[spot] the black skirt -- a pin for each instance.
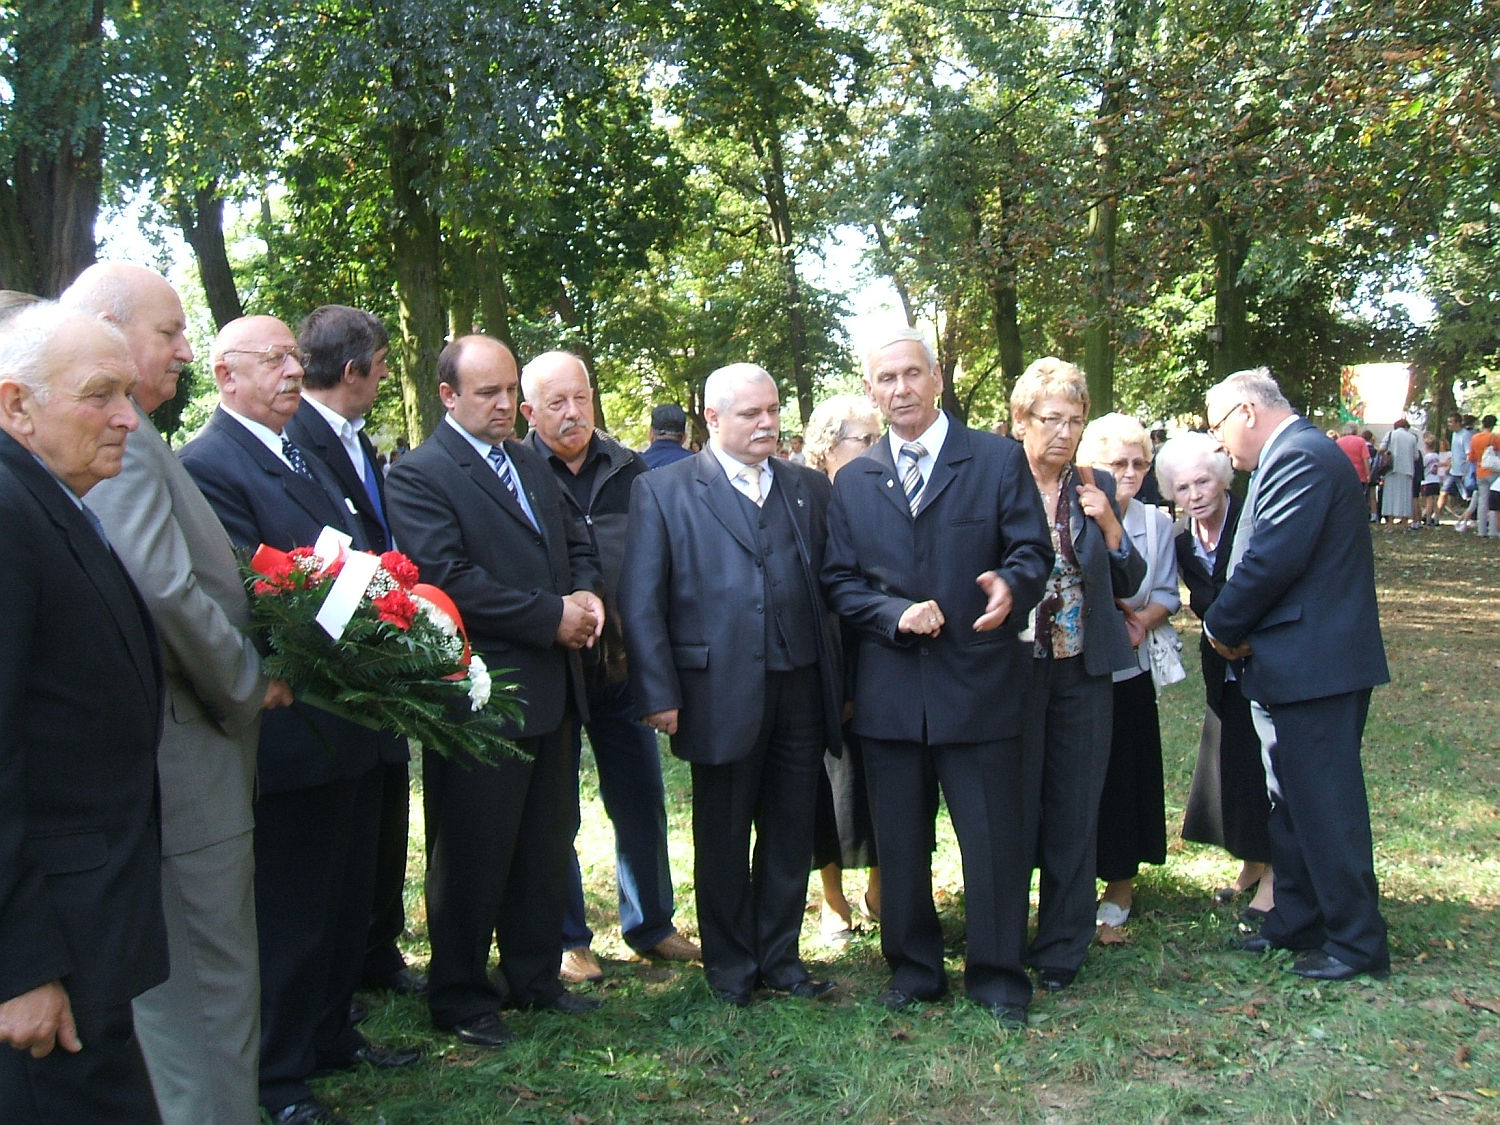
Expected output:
(843, 830)
(1133, 808)
(1228, 805)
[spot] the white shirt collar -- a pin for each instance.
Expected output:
(480, 447)
(931, 439)
(262, 433)
(347, 430)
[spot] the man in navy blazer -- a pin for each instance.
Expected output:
(485, 520)
(937, 552)
(81, 926)
(318, 785)
(1298, 615)
(346, 351)
(732, 654)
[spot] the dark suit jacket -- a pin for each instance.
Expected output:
(80, 714)
(1204, 587)
(312, 434)
(693, 600)
(259, 500)
(1303, 593)
(1106, 641)
(470, 537)
(980, 511)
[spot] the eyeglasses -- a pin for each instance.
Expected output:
(1214, 429)
(1055, 422)
(272, 357)
(1124, 463)
(865, 440)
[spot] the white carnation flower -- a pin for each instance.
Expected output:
(479, 683)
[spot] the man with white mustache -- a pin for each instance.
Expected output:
(596, 472)
(732, 656)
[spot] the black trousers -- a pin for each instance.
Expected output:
(498, 841)
(103, 1084)
(982, 784)
(383, 959)
(314, 872)
(1321, 847)
(750, 907)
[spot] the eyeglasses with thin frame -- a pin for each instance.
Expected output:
(1214, 429)
(865, 440)
(1054, 422)
(272, 356)
(1136, 463)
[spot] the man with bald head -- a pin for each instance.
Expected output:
(596, 472)
(487, 523)
(318, 801)
(81, 928)
(200, 1030)
(732, 655)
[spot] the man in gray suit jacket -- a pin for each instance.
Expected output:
(1299, 619)
(731, 654)
(198, 1030)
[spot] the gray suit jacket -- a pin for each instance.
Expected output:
(177, 552)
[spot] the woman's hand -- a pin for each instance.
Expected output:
(1097, 507)
(1133, 624)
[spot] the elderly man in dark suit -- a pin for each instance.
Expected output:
(1298, 616)
(346, 353)
(937, 551)
(200, 1030)
(731, 653)
(315, 819)
(485, 520)
(81, 927)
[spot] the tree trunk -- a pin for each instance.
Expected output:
(202, 221)
(418, 246)
(903, 293)
(1231, 246)
(778, 206)
(49, 196)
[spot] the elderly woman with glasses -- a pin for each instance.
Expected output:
(840, 429)
(1227, 805)
(1133, 809)
(1080, 639)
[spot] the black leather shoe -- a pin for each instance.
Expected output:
(1252, 943)
(1253, 915)
(1319, 965)
(732, 998)
(403, 982)
(488, 1030)
(899, 1000)
(357, 1011)
(568, 1003)
(1055, 980)
(808, 989)
(1008, 1015)
(381, 1058)
(310, 1112)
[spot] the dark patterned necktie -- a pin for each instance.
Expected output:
(911, 476)
(507, 478)
(293, 456)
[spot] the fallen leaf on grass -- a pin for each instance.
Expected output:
(1164, 1052)
(1492, 1006)
(900, 1036)
(1109, 935)
(1461, 1056)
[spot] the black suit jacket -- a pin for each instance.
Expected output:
(81, 694)
(980, 511)
(692, 598)
(1303, 594)
(470, 538)
(259, 500)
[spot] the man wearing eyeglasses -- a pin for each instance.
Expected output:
(937, 551)
(1298, 616)
(318, 783)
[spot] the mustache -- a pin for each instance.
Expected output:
(570, 425)
(765, 433)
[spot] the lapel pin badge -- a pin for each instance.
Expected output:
(890, 484)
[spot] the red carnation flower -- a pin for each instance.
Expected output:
(396, 608)
(399, 567)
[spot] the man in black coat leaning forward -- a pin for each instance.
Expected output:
(81, 926)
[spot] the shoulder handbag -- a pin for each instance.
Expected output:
(1162, 643)
(1490, 459)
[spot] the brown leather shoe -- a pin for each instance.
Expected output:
(675, 947)
(579, 965)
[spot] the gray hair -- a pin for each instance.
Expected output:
(826, 427)
(531, 374)
(26, 343)
(1107, 428)
(882, 338)
(1048, 377)
(1254, 385)
(1187, 451)
(722, 383)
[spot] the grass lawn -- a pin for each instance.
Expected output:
(1168, 1026)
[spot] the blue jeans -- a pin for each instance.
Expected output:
(629, 767)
